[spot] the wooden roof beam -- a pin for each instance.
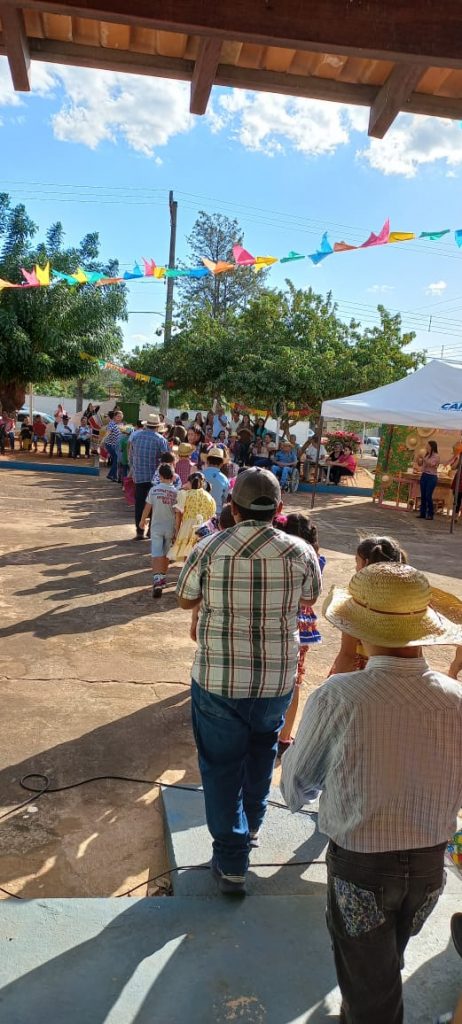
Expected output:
(204, 73)
(412, 31)
(392, 97)
(311, 87)
(17, 47)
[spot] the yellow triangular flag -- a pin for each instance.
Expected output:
(43, 276)
(80, 276)
(265, 261)
(401, 236)
(158, 272)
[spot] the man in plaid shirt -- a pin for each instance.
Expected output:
(248, 582)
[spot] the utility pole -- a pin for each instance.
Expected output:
(173, 207)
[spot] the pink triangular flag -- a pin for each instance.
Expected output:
(149, 267)
(30, 278)
(242, 257)
(380, 239)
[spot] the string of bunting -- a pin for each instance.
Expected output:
(105, 364)
(44, 276)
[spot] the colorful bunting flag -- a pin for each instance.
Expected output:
(242, 257)
(343, 247)
(401, 236)
(43, 275)
(217, 268)
(325, 249)
(30, 278)
(149, 267)
(291, 256)
(433, 236)
(380, 239)
(458, 238)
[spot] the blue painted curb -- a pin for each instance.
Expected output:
(39, 467)
(362, 492)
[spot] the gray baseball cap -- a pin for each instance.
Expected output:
(257, 490)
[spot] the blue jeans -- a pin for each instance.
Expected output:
(237, 741)
(428, 482)
(112, 452)
(285, 473)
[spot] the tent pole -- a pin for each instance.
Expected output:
(316, 468)
(456, 492)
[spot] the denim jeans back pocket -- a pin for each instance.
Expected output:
(358, 908)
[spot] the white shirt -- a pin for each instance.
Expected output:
(385, 747)
(67, 429)
(312, 453)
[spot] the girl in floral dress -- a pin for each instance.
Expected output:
(194, 507)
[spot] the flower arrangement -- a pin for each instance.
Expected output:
(344, 437)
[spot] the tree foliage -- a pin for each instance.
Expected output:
(213, 236)
(286, 346)
(43, 330)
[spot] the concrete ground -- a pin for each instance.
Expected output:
(94, 675)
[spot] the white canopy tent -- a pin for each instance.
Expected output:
(430, 397)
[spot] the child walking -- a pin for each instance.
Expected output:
(194, 505)
(160, 505)
(298, 525)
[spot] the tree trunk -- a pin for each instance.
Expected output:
(12, 395)
(79, 396)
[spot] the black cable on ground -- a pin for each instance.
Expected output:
(46, 789)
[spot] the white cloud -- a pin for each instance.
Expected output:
(99, 106)
(414, 141)
(380, 289)
(271, 124)
(105, 105)
(437, 288)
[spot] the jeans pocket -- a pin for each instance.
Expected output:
(429, 903)
(358, 908)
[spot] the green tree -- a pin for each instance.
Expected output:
(213, 236)
(285, 346)
(43, 330)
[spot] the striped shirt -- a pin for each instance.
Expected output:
(146, 447)
(251, 579)
(113, 435)
(385, 747)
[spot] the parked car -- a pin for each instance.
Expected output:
(25, 412)
(371, 446)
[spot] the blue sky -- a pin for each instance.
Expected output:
(100, 151)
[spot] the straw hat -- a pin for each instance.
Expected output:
(448, 605)
(389, 605)
(185, 450)
(155, 421)
(216, 453)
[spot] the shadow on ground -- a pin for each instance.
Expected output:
(109, 822)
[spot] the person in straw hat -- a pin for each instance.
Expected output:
(384, 747)
(184, 466)
(219, 483)
(146, 447)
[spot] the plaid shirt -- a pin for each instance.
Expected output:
(251, 579)
(146, 447)
(385, 747)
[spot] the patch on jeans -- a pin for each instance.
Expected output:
(426, 908)
(358, 907)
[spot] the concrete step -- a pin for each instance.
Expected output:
(261, 960)
(286, 839)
